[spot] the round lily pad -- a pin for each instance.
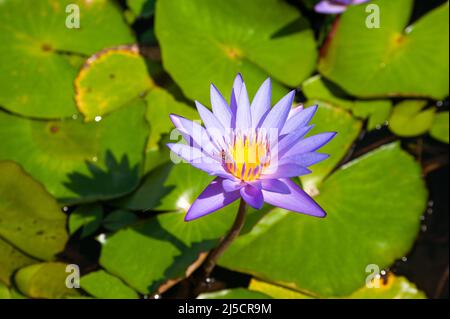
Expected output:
(111, 79)
(37, 79)
(30, 219)
(439, 129)
(374, 205)
(44, 280)
(211, 41)
(395, 59)
(408, 118)
(76, 161)
(100, 284)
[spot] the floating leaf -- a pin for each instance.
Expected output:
(119, 219)
(44, 280)
(100, 284)
(76, 161)
(439, 129)
(178, 245)
(11, 259)
(235, 293)
(160, 105)
(393, 288)
(374, 205)
(30, 219)
(408, 118)
(331, 118)
(4, 292)
(88, 217)
(275, 291)
(38, 78)
(319, 90)
(392, 60)
(258, 39)
(111, 79)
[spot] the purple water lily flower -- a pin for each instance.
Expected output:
(335, 6)
(253, 150)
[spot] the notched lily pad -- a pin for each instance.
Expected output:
(409, 119)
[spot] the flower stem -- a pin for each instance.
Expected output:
(234, 231)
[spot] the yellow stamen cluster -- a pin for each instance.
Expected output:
(246, 156)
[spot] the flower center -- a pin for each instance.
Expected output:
(246, 156)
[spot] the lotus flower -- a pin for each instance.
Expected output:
(252, 149)
(335, 6)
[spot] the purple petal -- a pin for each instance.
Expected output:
(252, 196)
(213, 126)
(291, 139)
(210, 200)
(232, 185)
(299, 119)
(220, 107)
(261, 103)
(355, 2)
(243, 115)
(274, 185)
(294, 111)
(235, 93)
(192, 130)
(296, 200)
(327, 7)
(275, 171)
(279, 113)
(310, 144)
(188, 153)
(304, 159)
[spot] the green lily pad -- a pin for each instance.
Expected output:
(160, 104)
(408, 118)
(38, 78)
(376, 111)
(329, 118)
(76, 161)
(4, 292)
(392, 60)
(178, 244)
(100, 284)
(88, 217)
(30, 219)
(11, 259)
(439, 129)
(236, 293)
(118, 219)
(204, 41)
(109, 80)
(44, 280)
(393, 288)
(275, 291)
(374, 205)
